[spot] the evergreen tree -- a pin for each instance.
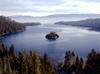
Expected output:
(92, 65)
(77, 65)
(68, 57)
(45, 60)
(20, 56)
(3, 46)
(31, 53)
(77, 61)
(81, 65)
(12, 50)
(50, 67)
(73, 54)
(36, 63)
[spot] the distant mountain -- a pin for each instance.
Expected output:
(20, 16)
(75, 15)
(94, 24)
(60, 15)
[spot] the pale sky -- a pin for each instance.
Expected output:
(48, 7)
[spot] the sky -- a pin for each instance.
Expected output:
(48, 7)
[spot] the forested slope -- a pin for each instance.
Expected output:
(24, 63)
(94, 24)
(8, 26)
(34, 64)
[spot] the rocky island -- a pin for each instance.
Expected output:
(52, 35)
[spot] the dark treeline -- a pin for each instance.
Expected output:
(93, 23)
(75, 65)
(34, 64)
(31, 23)
(8, 26)
(24, 63)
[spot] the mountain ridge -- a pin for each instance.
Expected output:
(58, 15)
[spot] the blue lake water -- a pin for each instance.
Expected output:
(77, 39)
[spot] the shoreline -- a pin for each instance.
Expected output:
(90, 27)
(2, 36)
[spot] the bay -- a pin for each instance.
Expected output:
(77, 39)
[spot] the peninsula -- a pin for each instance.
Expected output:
(8, 26)
(93, 24)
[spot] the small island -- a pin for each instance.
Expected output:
(52, 35)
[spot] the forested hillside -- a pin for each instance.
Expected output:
(24, 63)
(8, 26)
(34, 64)
(94, 24)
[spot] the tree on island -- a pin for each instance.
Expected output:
(52, 35)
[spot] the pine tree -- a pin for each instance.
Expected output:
(3, 46)
(92, 65)
(12, 50)
(73, 54)
(36, 63)
(50, 67)
(45, 60)
(31, 53)
(68, 57)
(77, 64)
(77, 61)
(20, 56)
(81, 65)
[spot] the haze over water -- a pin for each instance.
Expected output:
(77, 39)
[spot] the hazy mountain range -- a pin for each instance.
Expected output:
(59, 15)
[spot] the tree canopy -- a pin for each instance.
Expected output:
(8, 26)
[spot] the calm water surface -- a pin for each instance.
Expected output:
(76, 39)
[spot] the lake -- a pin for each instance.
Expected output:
(77, 39)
